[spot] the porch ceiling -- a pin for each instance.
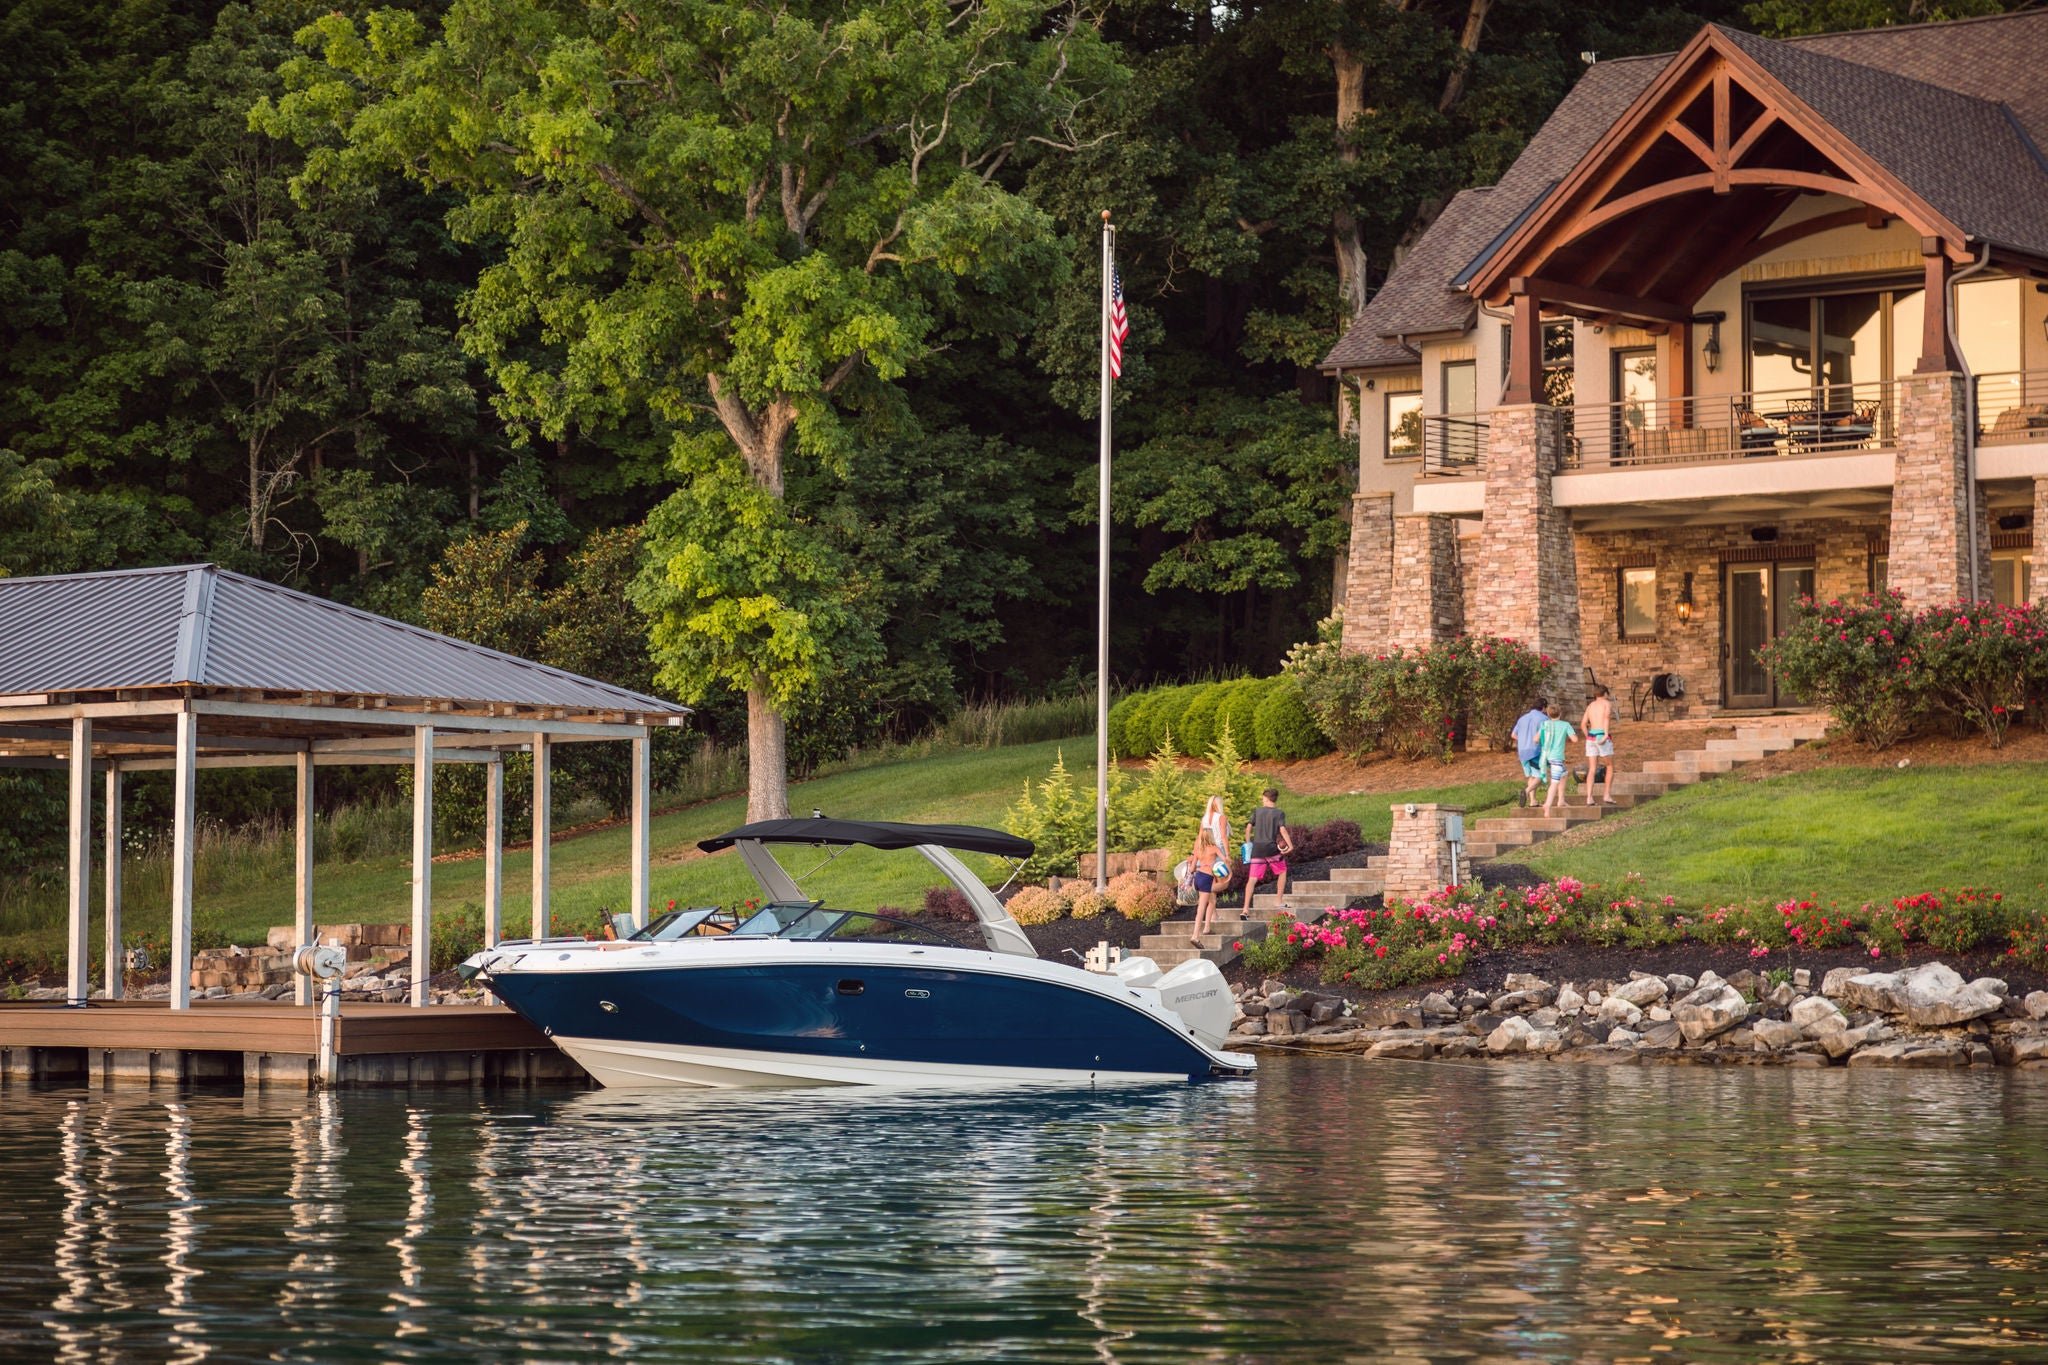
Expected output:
(1750, 509)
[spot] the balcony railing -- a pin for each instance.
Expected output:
(1453, 445)
(2012, 407)
(1829, 419)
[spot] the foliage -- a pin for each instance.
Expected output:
(1856, 657)
(1082, 900)
(1331, 839)
(1273, 955)
(1160, 811)
(1983, 662)
(1036, 905)
(1138, 896)
(949, 904)
(1156, 716)
(1059, 821)
(1119, 727)
(1284, 728)
(1506, 677)
(1417, 702)
(1198, 721)
(1238, 713)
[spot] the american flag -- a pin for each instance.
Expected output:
(1119, 323)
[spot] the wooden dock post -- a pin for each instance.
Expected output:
(422, 863)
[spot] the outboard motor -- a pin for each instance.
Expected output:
(1137, 971)
(1197, 992)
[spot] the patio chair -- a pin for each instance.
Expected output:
(1757, 435)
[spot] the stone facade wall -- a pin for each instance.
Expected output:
(1693, 648)
(1369, 575)
(1418, 859)
(1528, 579)
(1931, 504)
(1428, 597)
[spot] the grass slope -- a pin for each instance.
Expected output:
(973, 786)
(1847, 835)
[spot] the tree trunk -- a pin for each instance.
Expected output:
(1344, 233)
(257, 520)
(767, 756)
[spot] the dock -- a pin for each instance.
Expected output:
(267, 1044)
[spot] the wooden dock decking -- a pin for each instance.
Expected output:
(265, 1043)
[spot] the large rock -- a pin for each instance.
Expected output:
(1391, 1016)
(1777, 1033)
(1641, 992)
(1327, 1011)
(1842, 1042)
(1544, 1041)
(1934, 1052)
(1547, 1017)
(1414, 1048)
(1708, 1010)
(1661, 1035)
(2012, 1049)
(1835, 983)
(1658, 1014)
(1929, 995)
(1622, 1037)
(1437, 1005)
(1525, 981)
(1512, 1035)
(2037, 1004)
(1517, 1002)
(1286, 1023)
(1253, 1009)
(1779, 996)
(1814, 1010)
(1992, 984)
(1680, 983)
(1615, 1010)
(1569, 1001)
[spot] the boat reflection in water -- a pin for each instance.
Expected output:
(803, 994)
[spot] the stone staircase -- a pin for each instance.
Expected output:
(1658, 777)
(1169, 947)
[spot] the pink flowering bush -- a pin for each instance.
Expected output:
(1419, 702)
(1982, 661)
(1857, 657)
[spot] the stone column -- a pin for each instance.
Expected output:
(1418, 854)
(1931, 498)
(1528, 578)
(1427, 599)
(1370, 573)
(2040, 589)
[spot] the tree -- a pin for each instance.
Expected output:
(739, 212)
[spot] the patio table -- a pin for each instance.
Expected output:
(1834, 426)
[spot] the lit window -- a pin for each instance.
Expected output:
(1638, 597)
(1404, 425)
(2012, 577)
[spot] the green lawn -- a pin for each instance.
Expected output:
(972, 786)
(1847, 835)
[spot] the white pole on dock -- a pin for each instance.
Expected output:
(1102, 586)
(302, 867)
(117, 964)
(643, 809)
(78, 952)
(185, 796)
(542, 830)
(494, 851)
(422, 862)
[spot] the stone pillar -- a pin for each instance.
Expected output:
(2040, 588)
(1370, 574)
(1931, 497)
(1418, 854)
(1528, 588)
(1427, 600)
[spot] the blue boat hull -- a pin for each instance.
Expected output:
(853, 1017)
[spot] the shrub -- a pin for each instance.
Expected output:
(1138, 897)
(1348, 694)
(1163, 809)
(1199, 721)
(1416, 702)
(1283, 727)
(1331, 839)
(1241, 710)
(1228, 779)
(1082, 900)
(1147, 725)
(1857, 657)
(1506, 676)
(1274, 954)
(1120, 722)
(1036, 905)
(1981, 660)
(950, 904)
(1059, 821)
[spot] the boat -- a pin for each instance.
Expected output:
(798, 993)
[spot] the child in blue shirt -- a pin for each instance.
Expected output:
(1550, 742)
(1526, 730)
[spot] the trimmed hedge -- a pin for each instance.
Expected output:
(1283, 727)
(1198, 723)
(1267, 718)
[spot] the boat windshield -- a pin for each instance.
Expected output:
(812, 920)
(698, 919)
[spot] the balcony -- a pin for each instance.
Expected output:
(1836, 419)
(2012, 408)
(1454, 445)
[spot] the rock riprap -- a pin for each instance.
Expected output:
(1924, 1016)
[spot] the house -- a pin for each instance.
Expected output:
(1745, 322)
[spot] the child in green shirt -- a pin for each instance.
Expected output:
(1550, 742)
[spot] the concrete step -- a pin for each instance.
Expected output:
(1335, 893)
(1169, 958)
(1751, 736)
(1358, 874)
(1742, 751)
(1694, 762)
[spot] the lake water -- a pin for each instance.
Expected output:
(1330, 1210)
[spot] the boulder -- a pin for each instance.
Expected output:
(1595, 996)
(1285, 1023)
(1641, 991)
(1801, 977)
(1708, 1010)
(1253, 1009)
(1709, 977)
(1814, 1010)
(1413, 1048)
(1437, 1005)
(1929, 995)
(1251, 1028)
(1834, 985)
(1460, 1047)
(1279, 1000)
(1544, 1042)
(1480, 1025)
(1518, 1002)
(1935, 1052)
(1391, 1016)
(1778, 997)
(1512, 1035)
(1615, 1010)
(1992, 984)
(1680, 983)
(1776, 1033)
(1660, 1035)
(1658, 1014)
(1569, 1001)
(1843, 1041)
(1547, 1017)
(2012, 1049)
(1325, 1011)
(1525, 981)
(1747, 983)
(1269, 987)
(1980, 1053)
(1586, 1033)
(2037, 1004)
(1622, 1037)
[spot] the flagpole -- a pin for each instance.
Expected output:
(1102, 589)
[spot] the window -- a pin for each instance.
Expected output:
(1557, 385)
(2012, 576)
(1404, 425)
(1880, 571)
(1637, 597)
(1461, 387)
(1832, 341)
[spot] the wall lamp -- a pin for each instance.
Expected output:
(1685, 599)
(1712, 350)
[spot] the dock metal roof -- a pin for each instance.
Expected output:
(198, 626)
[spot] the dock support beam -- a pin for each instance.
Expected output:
(117, 965)
(184, 798)
(494, 852)
(78, 949)
(543, 772)
(422, 863)
(643, 812)
(302, 880)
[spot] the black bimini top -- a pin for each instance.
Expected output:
(875, 834)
